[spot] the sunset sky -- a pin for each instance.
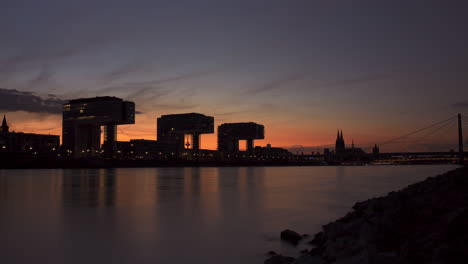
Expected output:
(302, 68)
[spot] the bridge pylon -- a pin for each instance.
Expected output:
(460, 140)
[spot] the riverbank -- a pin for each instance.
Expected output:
(38, 163)
(12, 162)
(426, 222)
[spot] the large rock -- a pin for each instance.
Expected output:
(426, 222)
(291, 236)
(279, 259)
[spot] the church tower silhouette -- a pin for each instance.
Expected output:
(4, 128)
(340, 143)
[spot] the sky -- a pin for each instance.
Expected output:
(302, 68)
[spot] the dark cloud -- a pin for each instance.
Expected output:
(122, 71)
(232, 113)
(43, 78)
(26, 61)
(180, 77)
(145, 86)
(279, 83)
(359, 80)
(140, 94)
(282, 83)
(128, 89)
(174, 107)
(14, 100)
(260, 108)
(144, 92)
(147, 92)
(461, 105)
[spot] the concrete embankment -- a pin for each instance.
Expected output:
(426, 222)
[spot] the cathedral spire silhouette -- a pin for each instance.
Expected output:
(4, 127)
(340, 144)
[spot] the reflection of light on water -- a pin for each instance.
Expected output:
(191, 178)
(136, 205)
(3, 186)
(209, 194)
(178, 215)
(31, 216)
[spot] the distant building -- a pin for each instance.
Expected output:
(173, 130)
(34, 144)
(229, 135)
(145, 149)
(347, 154)
(376, 151)
(270, 152)
(340, 146)
(82, 121)
(5, 128)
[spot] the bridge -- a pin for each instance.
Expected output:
(436, 129)
(430, 133)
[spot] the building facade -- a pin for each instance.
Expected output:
(82, 122)
(184, 130)
(342, 153)
(28, 143)
(229, 135)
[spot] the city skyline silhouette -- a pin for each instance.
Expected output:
(305, 67)
(233, 131)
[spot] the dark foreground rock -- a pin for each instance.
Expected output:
(426, 222)
(279, 259)
(291, 236)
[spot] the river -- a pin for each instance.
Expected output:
(179, 215)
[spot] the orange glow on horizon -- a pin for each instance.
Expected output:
(317, 134)
(51, 124)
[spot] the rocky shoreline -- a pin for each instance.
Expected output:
(426, 222)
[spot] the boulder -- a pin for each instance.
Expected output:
(318, 239)
(425, 222)
(279, 259)
(291, 236)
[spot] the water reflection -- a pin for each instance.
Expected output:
(3, 187)
(177, 215)
(89, 188)
(340, 192)
(186, 187)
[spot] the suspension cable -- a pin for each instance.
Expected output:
(435, 131)
(416, 131)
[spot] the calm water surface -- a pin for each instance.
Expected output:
(178, 215)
